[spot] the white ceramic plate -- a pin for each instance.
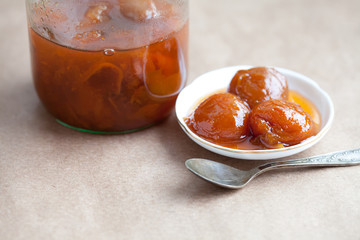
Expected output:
(213, 81)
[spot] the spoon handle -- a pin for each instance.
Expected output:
(336, 159)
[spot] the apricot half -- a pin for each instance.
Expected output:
(277, 122)
(259, 84)
(221, 118)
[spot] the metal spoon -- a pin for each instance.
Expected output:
(229, 177)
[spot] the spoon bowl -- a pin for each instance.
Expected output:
(218, 173)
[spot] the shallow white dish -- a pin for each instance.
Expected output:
(213, 81)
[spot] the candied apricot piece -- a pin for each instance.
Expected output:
(106, 78)
(88, 37)
(277, 122)
(138, 10)
(98, 13)
(259, 84)
(221, 118)
(165, 69)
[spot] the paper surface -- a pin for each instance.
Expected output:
(56, 183)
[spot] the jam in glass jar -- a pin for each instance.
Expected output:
(108, 66)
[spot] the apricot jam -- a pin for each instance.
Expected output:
(276, 122)
(222, 117)
(250, 142)
(258, 111)
(259, 84)
(108, 66)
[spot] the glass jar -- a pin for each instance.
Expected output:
(108, 66)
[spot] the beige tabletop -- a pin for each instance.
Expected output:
(57, 183)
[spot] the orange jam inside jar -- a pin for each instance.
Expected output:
(109, 66)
